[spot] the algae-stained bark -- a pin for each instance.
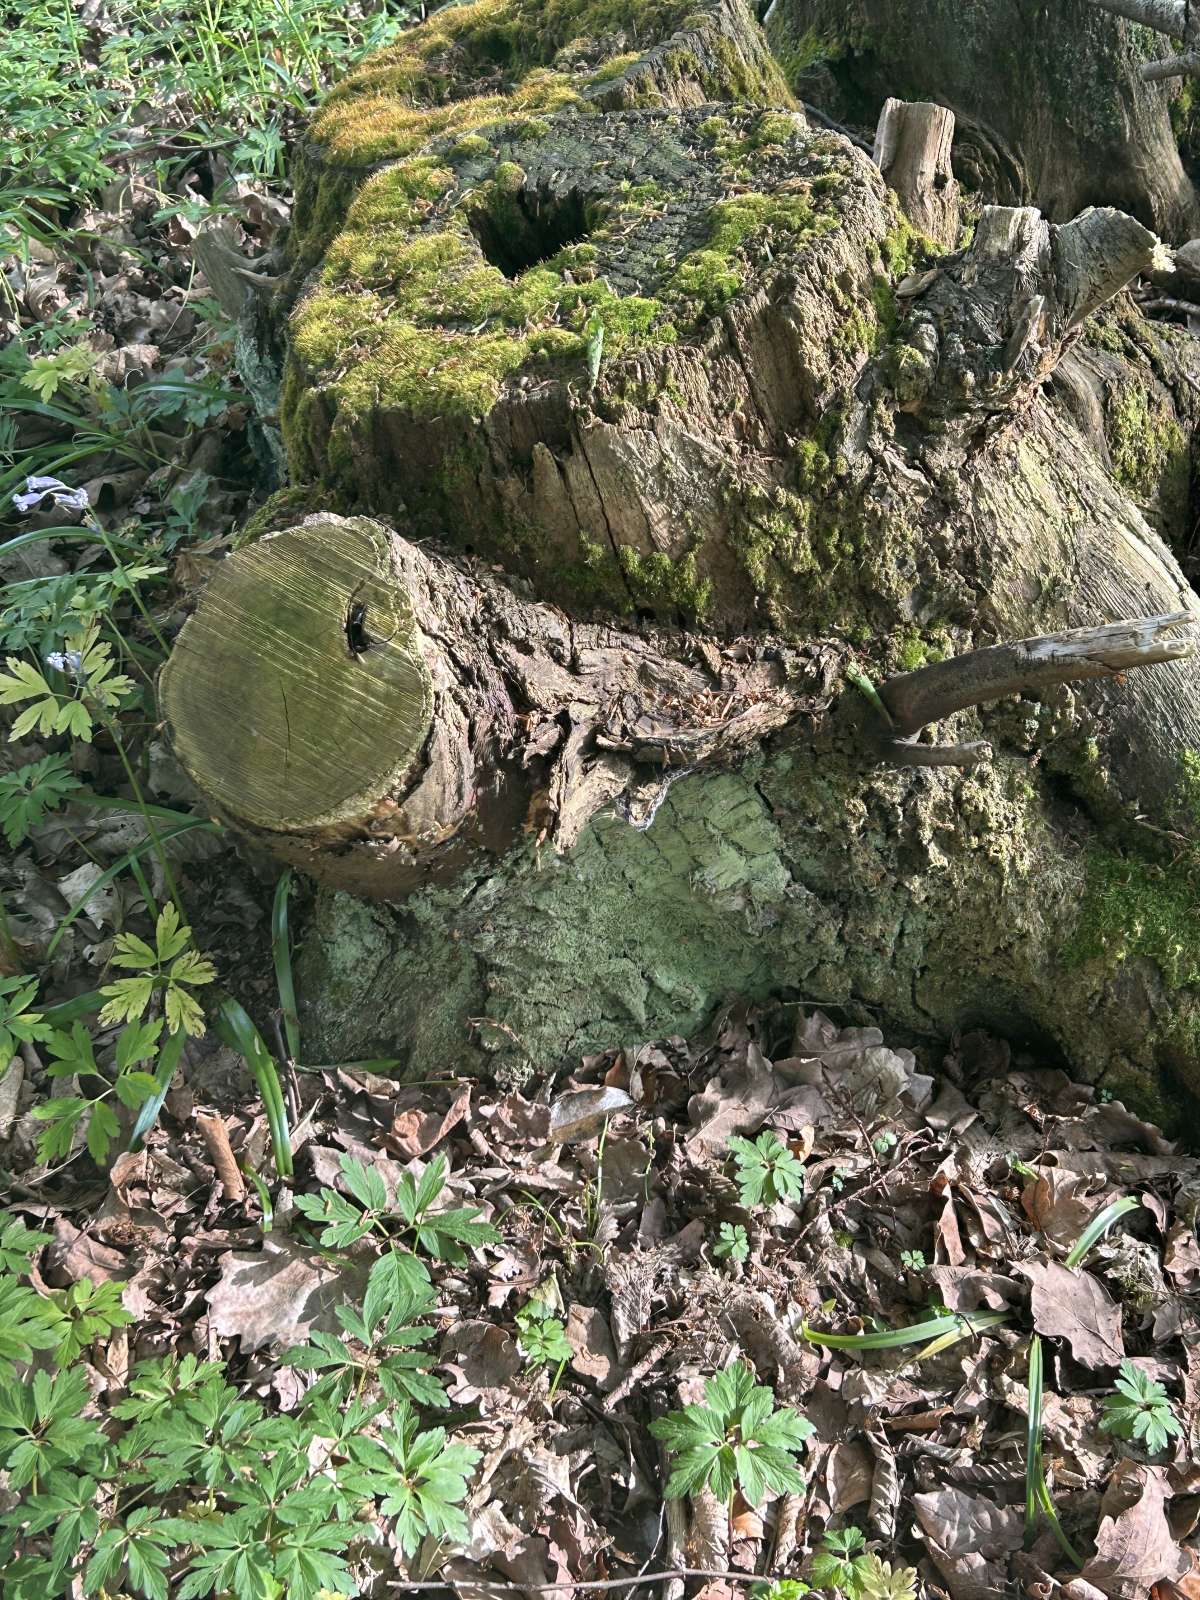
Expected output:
(1050, 104)
(601, 337)
(650, 354)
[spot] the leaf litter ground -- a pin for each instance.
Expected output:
(612, 1190)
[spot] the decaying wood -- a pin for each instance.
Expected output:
(912, 151)
(378, 713)
(216, 1139)
(995, 321)
(916, 699)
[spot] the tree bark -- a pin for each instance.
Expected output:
(650, 422)
(1051, 104)
(912, 151)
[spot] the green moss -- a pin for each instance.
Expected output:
(1149, 451)
(664, 582)
(283, 509)
(473, 144)
(615, 67)
(1135, 908)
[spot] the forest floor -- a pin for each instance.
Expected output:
(942, 1330)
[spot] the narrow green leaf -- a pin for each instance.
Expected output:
(1099, 1226)
(281, 952)
(957, 1323)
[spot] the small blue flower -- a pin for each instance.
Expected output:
(38, 489)
(65, 661)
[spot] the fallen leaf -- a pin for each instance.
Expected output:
(590, 1337)
(969, 1540)
(1134, 1546)
(416, 1133)
(1075, 1306)
(276, 1295)
(582, 1113)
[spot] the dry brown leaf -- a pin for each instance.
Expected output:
(590, 1337)
(276, 1295)
(969, 1539)
(1075, 1306)
(416, 1133)
(1134, 1546)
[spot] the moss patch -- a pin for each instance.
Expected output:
(1150, 452)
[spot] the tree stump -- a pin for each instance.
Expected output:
(912, 151)
(652, 426)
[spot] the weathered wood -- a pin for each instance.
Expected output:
(380, 714)
(1029, 666)
(991, 326)
(912, 151)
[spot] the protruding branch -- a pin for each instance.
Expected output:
(916, 699)
(1184, 66)
(1163, 16)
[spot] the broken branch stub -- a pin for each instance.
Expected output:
(377, 714)
(994, 322)
(915, 699)
(912, 151)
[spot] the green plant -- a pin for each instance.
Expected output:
(407, 1224)
(736, 1439)
(542, 1339)
(940, 1332)
(419, 1478)
(781, 1589)
(1140, 1409)
(767, 1171)
(246, 1504)
(97, 688)
(170, 967)
(878, 1580)
(236, 1028)
(80, 1315)
(1037, 1490)
(29, 792)
(1099, 1226)
(379, 1351)
(841, 1561)
(733, 1242)
(914, 1260)
(18, 1024)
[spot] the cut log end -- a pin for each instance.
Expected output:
(297, 694)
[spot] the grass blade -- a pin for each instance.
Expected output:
(68, 1011)
(264, 1199)
(1037, 1490)
(237, 1030)
(117, 867)
(1033, 1439)
(936, 1328)
(281, 951)
(164, 1073)
(1098, 1226)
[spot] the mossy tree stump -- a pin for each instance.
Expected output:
(663, 415)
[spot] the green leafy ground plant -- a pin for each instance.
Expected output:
(736, 1439)
(1140, 1410)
